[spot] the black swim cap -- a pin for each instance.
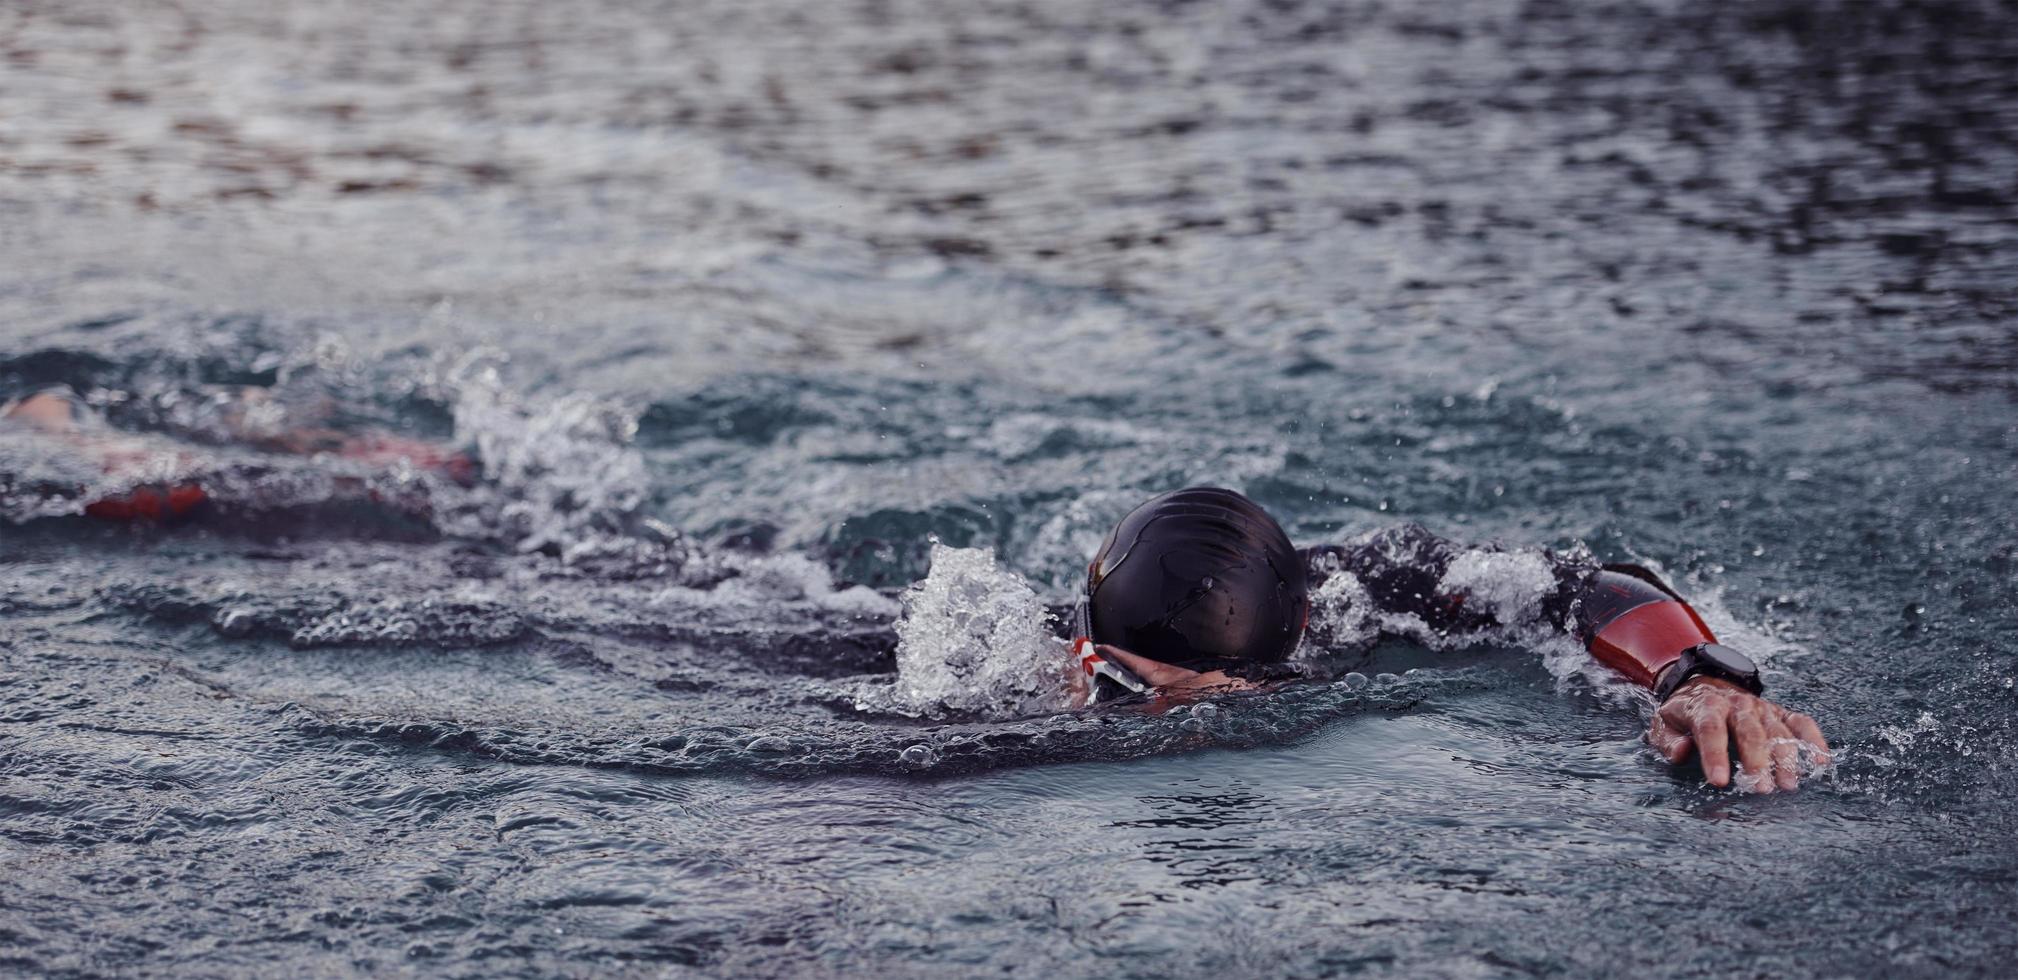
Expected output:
(1200, 578)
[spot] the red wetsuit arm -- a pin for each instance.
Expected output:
(1633, 623)
(156, 502)
(167, 501)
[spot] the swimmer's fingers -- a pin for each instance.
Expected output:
(1672, 742)
(1755, 756)
(1720, 717)
(1786, 750)
(1713, 745)
(1807, 731)
(1695, 717)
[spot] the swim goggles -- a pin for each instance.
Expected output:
(1105, 679)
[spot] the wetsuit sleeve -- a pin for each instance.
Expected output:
(1406, 575)
(1406, 581)
(1632, 622)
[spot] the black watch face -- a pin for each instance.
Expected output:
(1727, 660)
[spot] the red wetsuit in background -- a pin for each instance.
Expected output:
(148, 503)
(167, 501)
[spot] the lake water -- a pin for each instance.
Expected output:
(744, 304)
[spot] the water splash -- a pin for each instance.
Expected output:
(560, 478)
(1510, 585)
(761, 584)
(972, 639)
(44, 475)
(1342, 616)
(1509, 589)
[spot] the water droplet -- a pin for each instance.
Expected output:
(770, 743)
(918, 756)
(234, 622)
(1356, 681)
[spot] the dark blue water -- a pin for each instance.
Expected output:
(745, 305)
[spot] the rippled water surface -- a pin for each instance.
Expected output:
(742, 305)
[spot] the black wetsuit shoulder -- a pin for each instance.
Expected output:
(1402, 569)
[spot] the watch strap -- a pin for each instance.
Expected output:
(1699, 661)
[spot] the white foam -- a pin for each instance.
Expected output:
(559, 476)
(973, 639)
(764, 582)
(1508, 584)
(1511, 586)
(1341, 616)
(55, 475)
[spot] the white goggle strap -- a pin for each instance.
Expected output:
(1097, 666)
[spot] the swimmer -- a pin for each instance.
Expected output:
(58, 413)
(1200, 590)
(1196, 591)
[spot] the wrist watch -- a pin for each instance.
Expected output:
(1709, 660)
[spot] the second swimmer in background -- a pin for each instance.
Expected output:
(147, 483)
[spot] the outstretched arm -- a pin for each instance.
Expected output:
(66, 420)
(1629, 620)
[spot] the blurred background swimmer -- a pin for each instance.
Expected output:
(137, 478)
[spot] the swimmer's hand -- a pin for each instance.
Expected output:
(47, 412)
(1173, 681)
(1709, 715)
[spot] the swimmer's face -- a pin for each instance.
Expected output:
(1173, 681)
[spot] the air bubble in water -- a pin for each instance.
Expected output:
(1194, 717)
